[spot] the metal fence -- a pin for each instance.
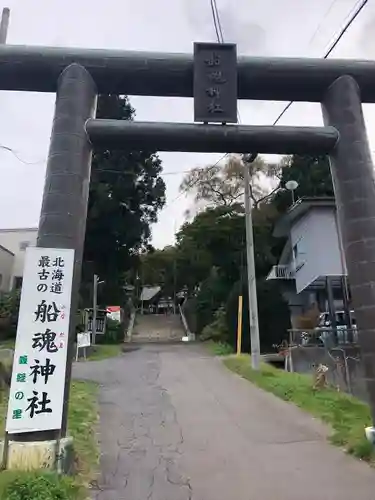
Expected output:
(337, 350)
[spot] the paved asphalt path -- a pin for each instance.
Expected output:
(177, 425)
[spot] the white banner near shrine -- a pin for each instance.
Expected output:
(38, 378)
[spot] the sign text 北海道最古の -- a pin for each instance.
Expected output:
(38, 378)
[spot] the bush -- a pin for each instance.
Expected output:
(273, 314)
(114, 333)
(212, 294)
(217, 330)
(221, 349)
(6, 367)
(9, 309)
(37, 486)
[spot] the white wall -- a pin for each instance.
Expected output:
(6, 269)
(13, 240)
(318, 252)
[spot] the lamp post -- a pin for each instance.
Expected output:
(291, 186)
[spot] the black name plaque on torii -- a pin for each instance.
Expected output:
(215, 82)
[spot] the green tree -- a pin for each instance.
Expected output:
(312, 174)
(214, 247)
(126, 193)
(212, 294)
(216, 237)
(159, 267)
(214, 242)
(273, 314)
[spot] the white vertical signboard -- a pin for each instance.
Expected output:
(38, 378)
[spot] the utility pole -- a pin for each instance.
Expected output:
(137, 287)
(94, 307)
(251, 281)
(174, 284)
(174, 273)
(4, 25)
(239, 325)
(142, 287)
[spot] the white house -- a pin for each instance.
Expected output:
(312, 253)
(6, 269)
(13, 243)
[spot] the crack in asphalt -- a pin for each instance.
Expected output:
(141, 438)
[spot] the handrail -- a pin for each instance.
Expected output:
(189, 334)
(129, 331)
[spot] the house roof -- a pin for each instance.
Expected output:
(298, 210)
(148, 292)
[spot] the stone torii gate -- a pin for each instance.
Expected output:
(78, 75)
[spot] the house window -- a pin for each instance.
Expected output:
(17, 284)
(295, 251)
(298, 254)
(24, 245)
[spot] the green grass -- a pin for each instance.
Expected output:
(39, 485)
(82, 426)
(219, 348)
(3, 411)
(7, 344)
(97, 352)
(104, 351)
(346, 415)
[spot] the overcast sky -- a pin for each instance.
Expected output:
(259, 27)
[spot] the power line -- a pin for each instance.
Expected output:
(111, 171)
(196, 181)
(220, 39)
(10, 150)
(331, 48)
(352, 18)
(216, 20)
(124, 172)
(219, 33)
(103, 170)
(325, 15)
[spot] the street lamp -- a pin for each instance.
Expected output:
(291, 186)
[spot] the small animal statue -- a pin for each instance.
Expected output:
(320, 376)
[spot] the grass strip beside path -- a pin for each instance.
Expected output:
(219, 348)
(347, 416)
(7, 344)
(104, 351)
(96, 353)
(82, 426)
